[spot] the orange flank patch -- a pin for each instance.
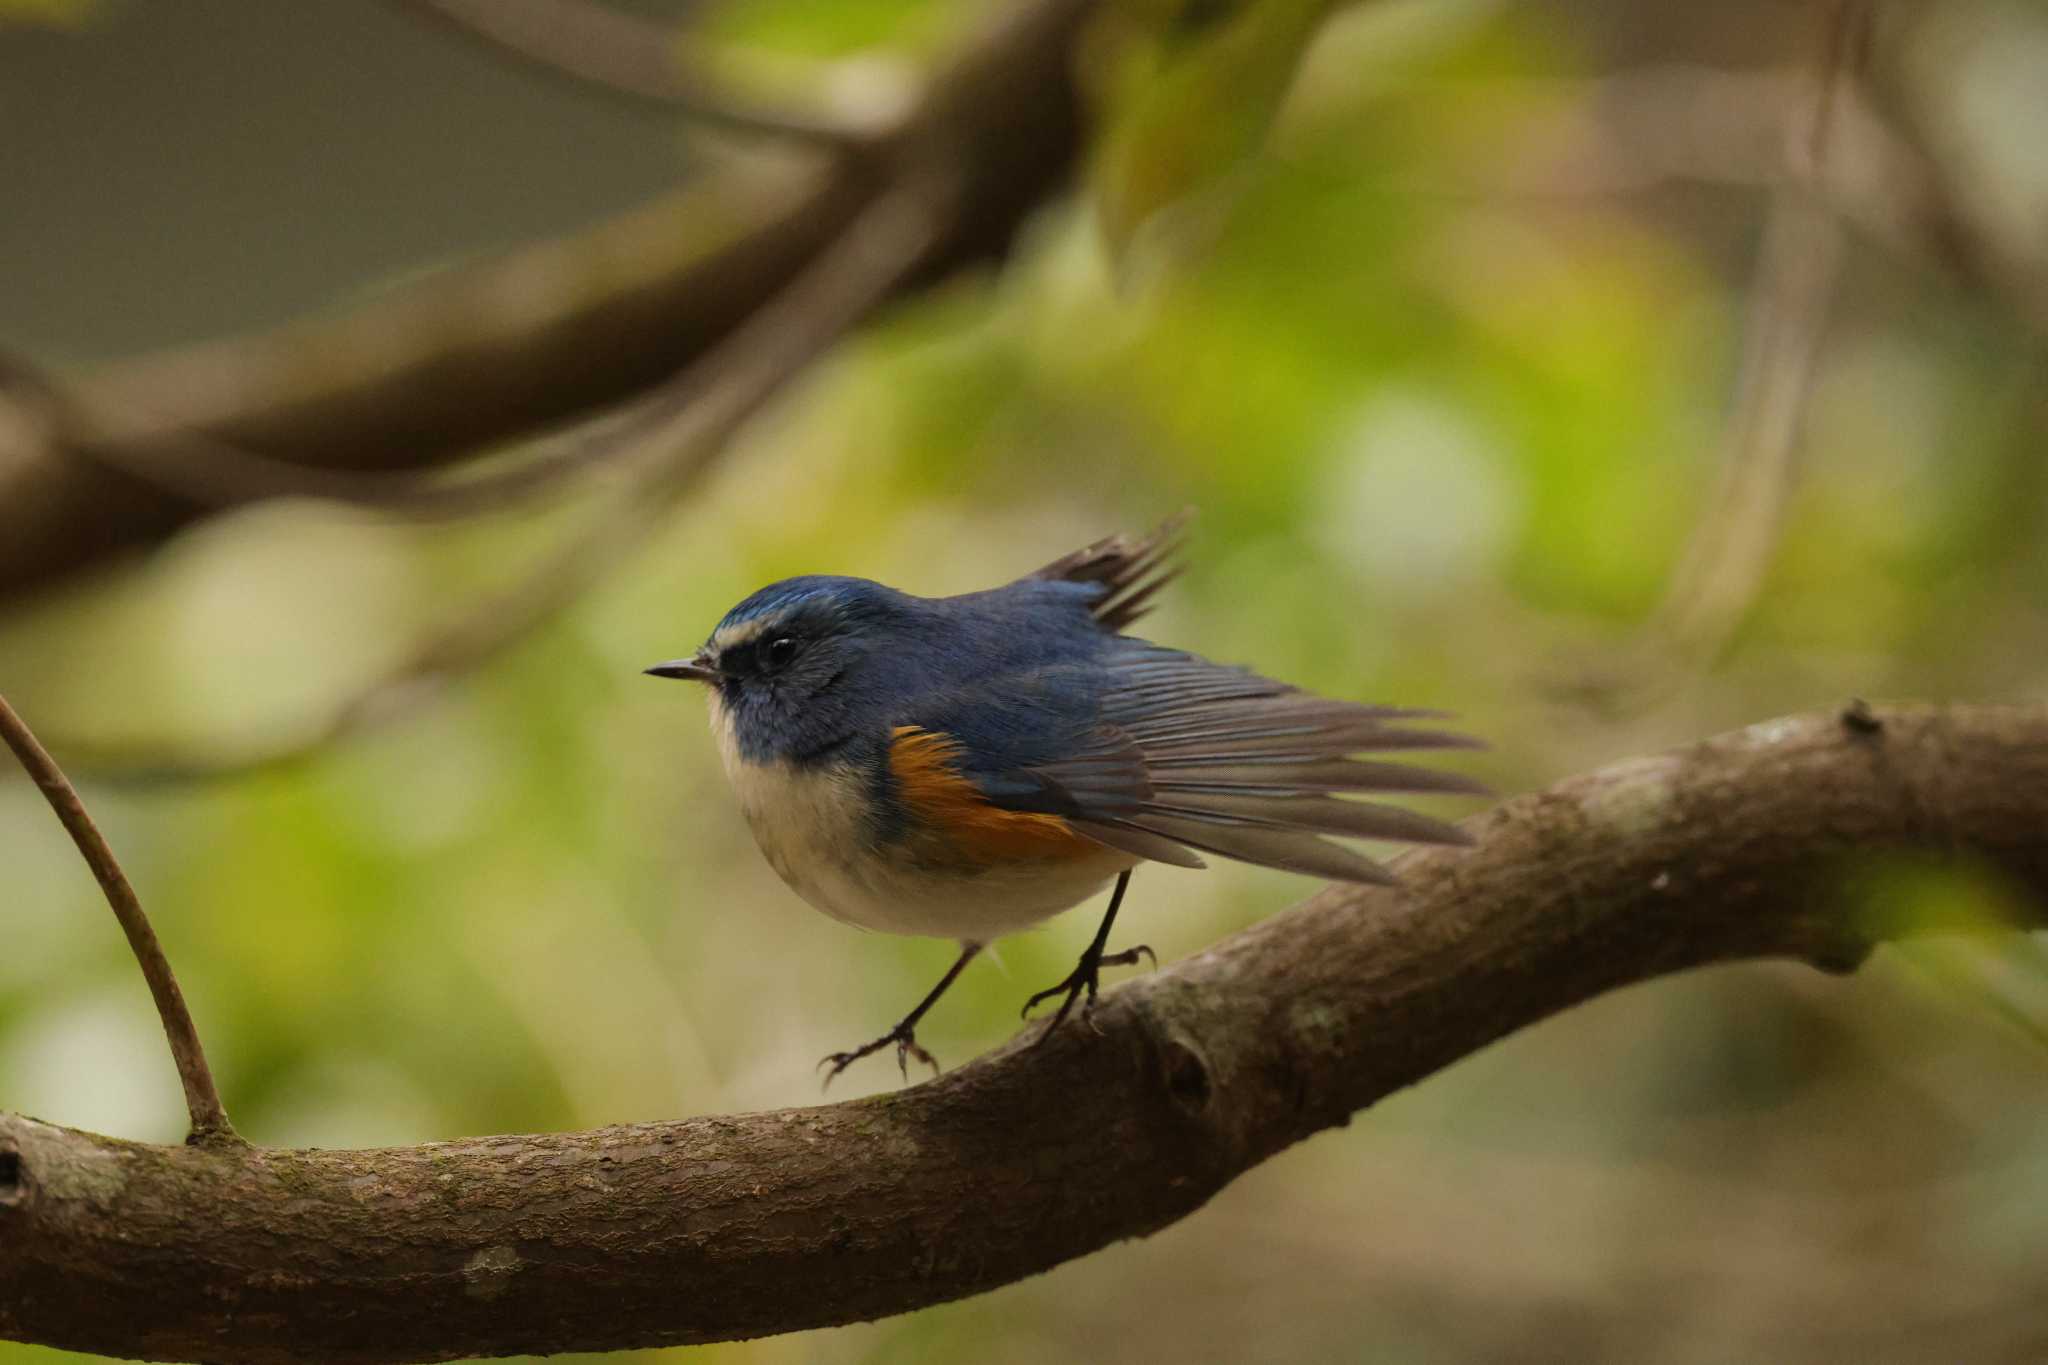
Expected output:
(932, 787)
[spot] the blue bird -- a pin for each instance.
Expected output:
(966, 767)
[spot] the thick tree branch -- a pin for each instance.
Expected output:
(202, 1099)
(715, 1228)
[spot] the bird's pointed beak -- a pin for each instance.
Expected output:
(698, 668)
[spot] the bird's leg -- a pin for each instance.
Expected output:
(904, 1035)
(1088, 971)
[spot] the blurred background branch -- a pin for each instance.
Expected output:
(430, 374)
(662, 448)
(1717, 577)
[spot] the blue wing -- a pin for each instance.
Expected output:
(1160, 753)
(1166, 755)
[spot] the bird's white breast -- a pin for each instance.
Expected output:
(814, 826)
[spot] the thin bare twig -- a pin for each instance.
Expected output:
(664, 445)
(202, 1101)
(625, 55)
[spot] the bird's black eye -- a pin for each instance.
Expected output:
(779, 651)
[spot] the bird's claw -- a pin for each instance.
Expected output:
(907, 1047)
(1085, 980)
(1129, 957)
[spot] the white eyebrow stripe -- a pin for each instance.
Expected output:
(730, 637)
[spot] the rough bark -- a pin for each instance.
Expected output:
(720, 1227)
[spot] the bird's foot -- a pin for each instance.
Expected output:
(907, 1047)
(1084, 981)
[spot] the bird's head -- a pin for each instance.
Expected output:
(798, 667)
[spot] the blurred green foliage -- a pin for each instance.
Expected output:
(1446, 441)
